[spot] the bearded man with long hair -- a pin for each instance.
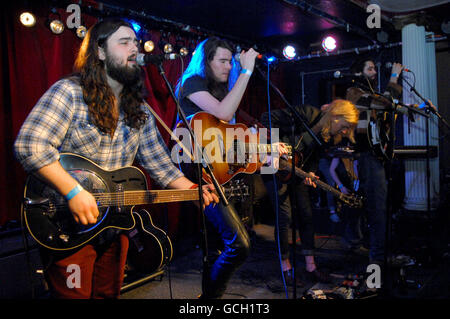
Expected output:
(372, 174)
(98, 113)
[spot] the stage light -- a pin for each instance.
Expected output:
(329, 44)
(164, 44)
(27, 19)
(168, 48)
(271, 59)
(184, 51)
(149, 46)
(180, 47)
(289, 52)
(54, 22)
(81, 31)
(57, 26)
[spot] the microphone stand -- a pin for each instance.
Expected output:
(387, 274)
(428, 109)
(205, 165)
(293, 179)
(434, 111)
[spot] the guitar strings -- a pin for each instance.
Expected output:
(140, 197)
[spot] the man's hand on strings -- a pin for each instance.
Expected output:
(209, 195)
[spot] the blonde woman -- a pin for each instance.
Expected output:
(330, 123)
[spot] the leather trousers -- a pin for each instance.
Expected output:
(228, 245)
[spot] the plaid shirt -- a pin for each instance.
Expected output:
(60, 123)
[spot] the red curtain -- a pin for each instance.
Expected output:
(33, 59)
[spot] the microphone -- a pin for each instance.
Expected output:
(237, 57)
(388, 65)
(339, 75)
(144, 59)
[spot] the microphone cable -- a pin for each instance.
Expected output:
(275, 188)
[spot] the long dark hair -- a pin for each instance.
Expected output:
(200, 66)
(96, 92)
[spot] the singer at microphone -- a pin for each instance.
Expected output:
(144, 59)
(237, 57)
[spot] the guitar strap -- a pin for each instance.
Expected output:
(172, 134)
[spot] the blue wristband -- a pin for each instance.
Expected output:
(74, 192)
(245, 71)
(394, 75)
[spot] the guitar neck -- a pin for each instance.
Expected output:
(143, 197)
(300, 173)
(328, 188)
(264, 148)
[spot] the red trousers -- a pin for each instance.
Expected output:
(90, 272)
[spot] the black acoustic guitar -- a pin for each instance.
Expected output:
(150, 248)
(52, 225)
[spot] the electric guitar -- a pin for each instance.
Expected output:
(51, 224)
(230, 149)
(354, 201)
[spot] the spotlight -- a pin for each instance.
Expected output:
(289, 52)
(81, 31)
(271, 59)
(329, 44)
(149, 46)
(180, 47)
(168, 48)
(27, 19)
(184, 51)
(57, 26)
(164, 44)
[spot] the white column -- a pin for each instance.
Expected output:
(419, 56)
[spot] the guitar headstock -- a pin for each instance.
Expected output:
(353, 200)
(236, 189)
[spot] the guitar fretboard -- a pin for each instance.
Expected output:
(288, 166)
(263, 148)
(142, 197)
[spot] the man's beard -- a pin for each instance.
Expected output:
(124, 74)
(364, 81)
(373, 82)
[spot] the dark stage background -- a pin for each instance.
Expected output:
(32, 59)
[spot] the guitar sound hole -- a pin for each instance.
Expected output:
(92, 183)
